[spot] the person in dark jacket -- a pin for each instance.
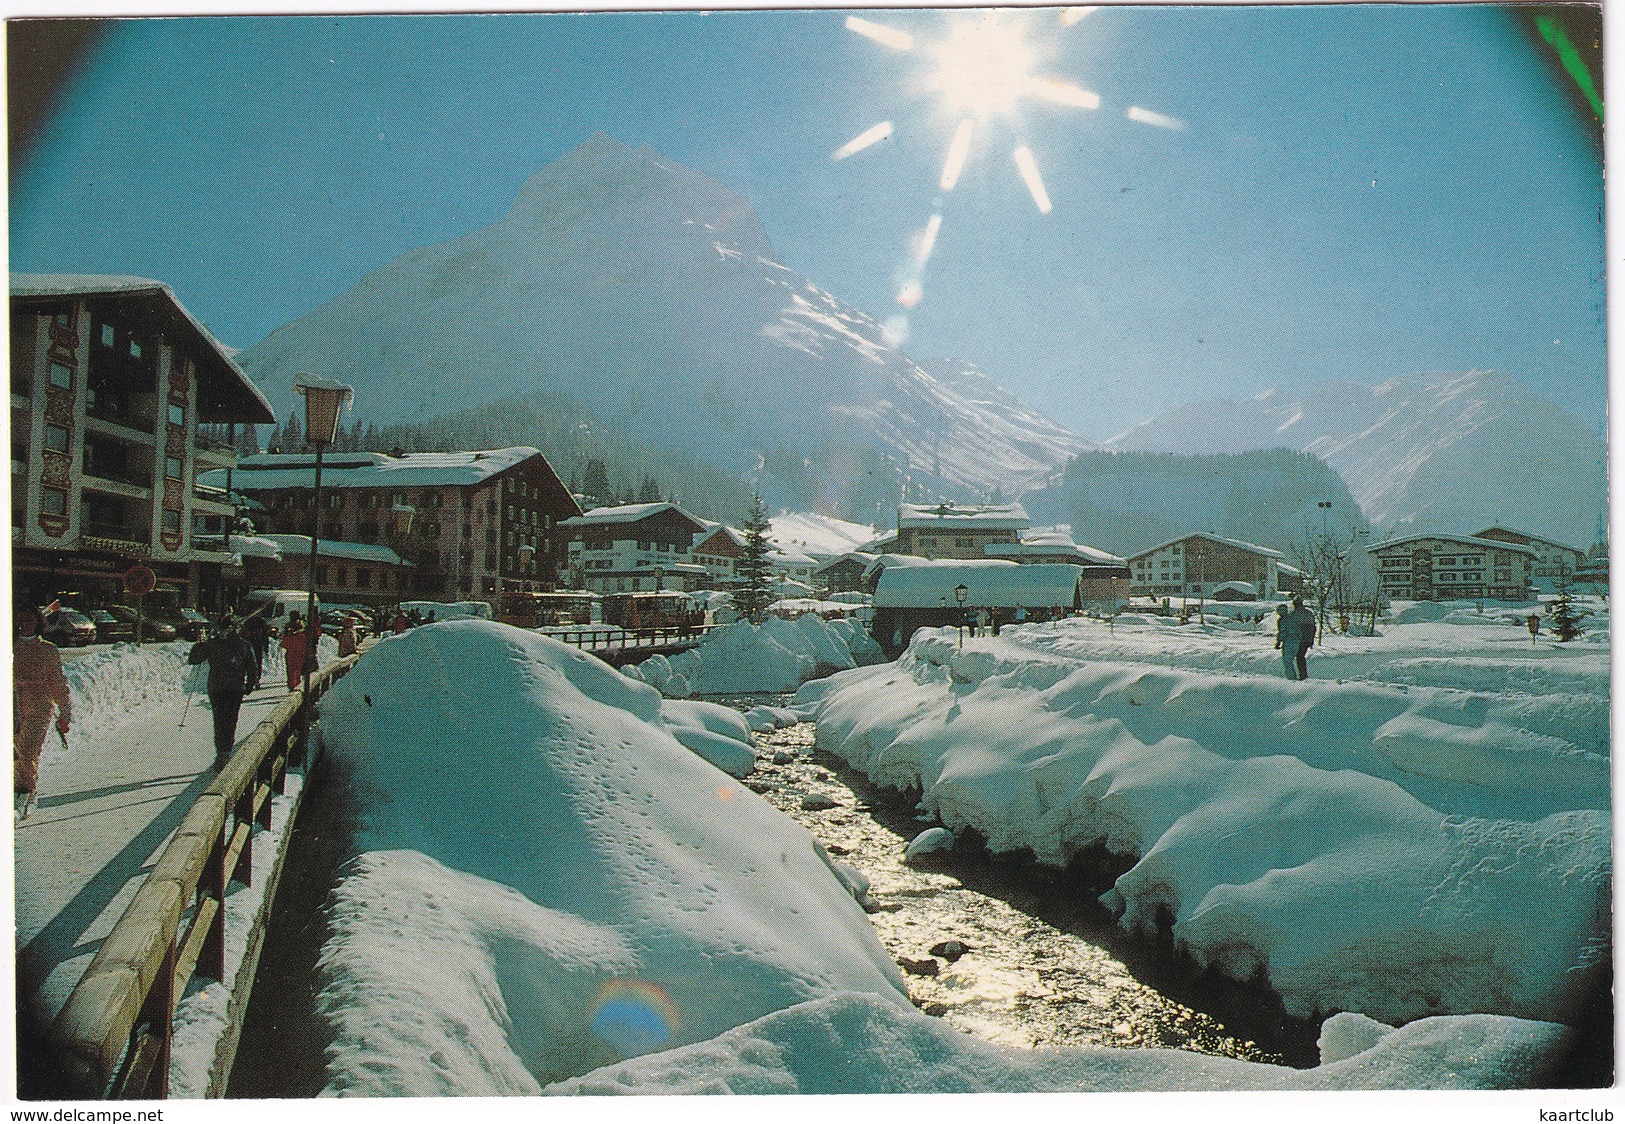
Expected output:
(257, 631)
(1297, 637)
(233, 673)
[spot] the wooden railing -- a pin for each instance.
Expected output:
(115, 1032)
(598, 638)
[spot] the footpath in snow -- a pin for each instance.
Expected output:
(556, 890)
(1427, 833)
(108, 802)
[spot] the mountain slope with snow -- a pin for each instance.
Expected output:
(651, 292)
(1453, 452)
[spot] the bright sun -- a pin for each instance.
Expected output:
(982, 69)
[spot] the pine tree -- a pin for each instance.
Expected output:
(595, 484)
(293, 434)
(755, 593)
(1566, 615)
(649, 491)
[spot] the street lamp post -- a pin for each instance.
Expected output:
(960, 593)
(324, 398)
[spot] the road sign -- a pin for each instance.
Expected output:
(139, 580)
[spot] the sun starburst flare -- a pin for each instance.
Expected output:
(983, 68)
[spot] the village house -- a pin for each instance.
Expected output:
(1105, 583)
(912, 594)
(110, 379)
(472, 524)
(1431, 566)
(720, 550)
(1553, 560)
(636, 547)
(947, 530)
(844, 574)
(347, 573)
(1193, 566)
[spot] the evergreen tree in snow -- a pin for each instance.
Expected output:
(755, 593)
(649, 491)
(293, 434)
(595, 483)
(1566, 615)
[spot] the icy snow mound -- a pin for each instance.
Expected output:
(777, 655)
(1399, 853)
(854, 1044)
(549, 881)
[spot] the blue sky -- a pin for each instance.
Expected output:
(1358, 192)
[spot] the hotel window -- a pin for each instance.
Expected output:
(56, 438)
(177, 415)
(172, 520)
(107, 335)
(61, 376)
(172, 468)
(53, 501)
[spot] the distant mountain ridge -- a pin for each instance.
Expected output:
(1453, 452)
(651, 293)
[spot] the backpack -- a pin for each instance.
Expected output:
(234, 661)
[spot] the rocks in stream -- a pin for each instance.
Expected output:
(926, 967)
(950, 950)
(783, 757)
(818, 802)
(932, 841)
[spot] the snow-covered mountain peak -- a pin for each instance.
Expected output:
(605, 183)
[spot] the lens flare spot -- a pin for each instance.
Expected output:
(1028, 167)
(958, 153)
(726, 794)
(872, 135)
(1150, 117)
(1070, 16)
(892, 37)
(911, 295)
(926, 240)
(1064, 93)
(895, 329)
(633, 1017)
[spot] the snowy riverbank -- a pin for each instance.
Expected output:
(777, 655)
(1429, 834)
(549, 884)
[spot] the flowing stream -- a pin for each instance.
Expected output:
(1039, 961)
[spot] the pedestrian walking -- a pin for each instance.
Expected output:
(233, 673)
(1298, 636)
(257, 631)
(349, 642)
(39, 690)
(400, 624)
(297, 650)
(1280, 641)
(1533, 623)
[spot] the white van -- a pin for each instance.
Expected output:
(275, 605)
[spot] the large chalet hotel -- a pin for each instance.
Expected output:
(110, 379)
(467, 525)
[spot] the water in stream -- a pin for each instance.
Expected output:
(1043, 964)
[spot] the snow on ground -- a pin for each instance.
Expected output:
(742, 658)
(551, 894)
(1422, 828)
(818, 535)
(549, 881)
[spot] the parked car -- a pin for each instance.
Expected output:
(110, 629)
(333, 621)
(276, 605)
(189, 624)
(151, 627)
(69, 628)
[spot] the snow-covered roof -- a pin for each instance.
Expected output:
(1464, 540)
(1250, 547)
(862, 558)
(818, 535)
(985, 517)
(783, 556)
(1525, 535)
(993, 583)
(255, 546)
(299, 546)
(230, 396)
(265, 471)
(626, 513)
(711, 529)
(1052, 547)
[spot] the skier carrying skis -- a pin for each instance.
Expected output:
(38, 688)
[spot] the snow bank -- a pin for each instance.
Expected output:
(1397, 851)
(854, 1044)
(549, 881)
(777, 655)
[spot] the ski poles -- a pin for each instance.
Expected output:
(188, 708)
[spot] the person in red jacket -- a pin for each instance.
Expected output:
(296, 650)
(39, 689)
